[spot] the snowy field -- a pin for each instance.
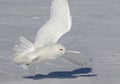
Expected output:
(95, 33)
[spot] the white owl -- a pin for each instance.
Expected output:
(45, 46)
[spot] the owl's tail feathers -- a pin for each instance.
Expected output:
(22, 49)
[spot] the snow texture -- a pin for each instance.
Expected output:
(95, 33)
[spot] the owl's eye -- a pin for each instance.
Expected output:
(61, 49)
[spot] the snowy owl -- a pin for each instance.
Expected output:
(45, 46)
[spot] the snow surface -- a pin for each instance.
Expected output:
(95, 32)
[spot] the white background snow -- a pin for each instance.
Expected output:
(95, 32)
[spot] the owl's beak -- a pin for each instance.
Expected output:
(76, 52)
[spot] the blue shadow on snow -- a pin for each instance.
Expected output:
(82, 72)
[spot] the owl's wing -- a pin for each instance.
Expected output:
(59, 23)
(78, 59)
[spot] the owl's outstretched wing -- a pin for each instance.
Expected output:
(59, 23)
(78, 58)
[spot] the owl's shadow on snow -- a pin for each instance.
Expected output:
(82, 72)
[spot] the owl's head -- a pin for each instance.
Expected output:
(59, 49)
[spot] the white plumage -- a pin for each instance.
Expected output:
(45, 46)
(46, 39)
(58, 24)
